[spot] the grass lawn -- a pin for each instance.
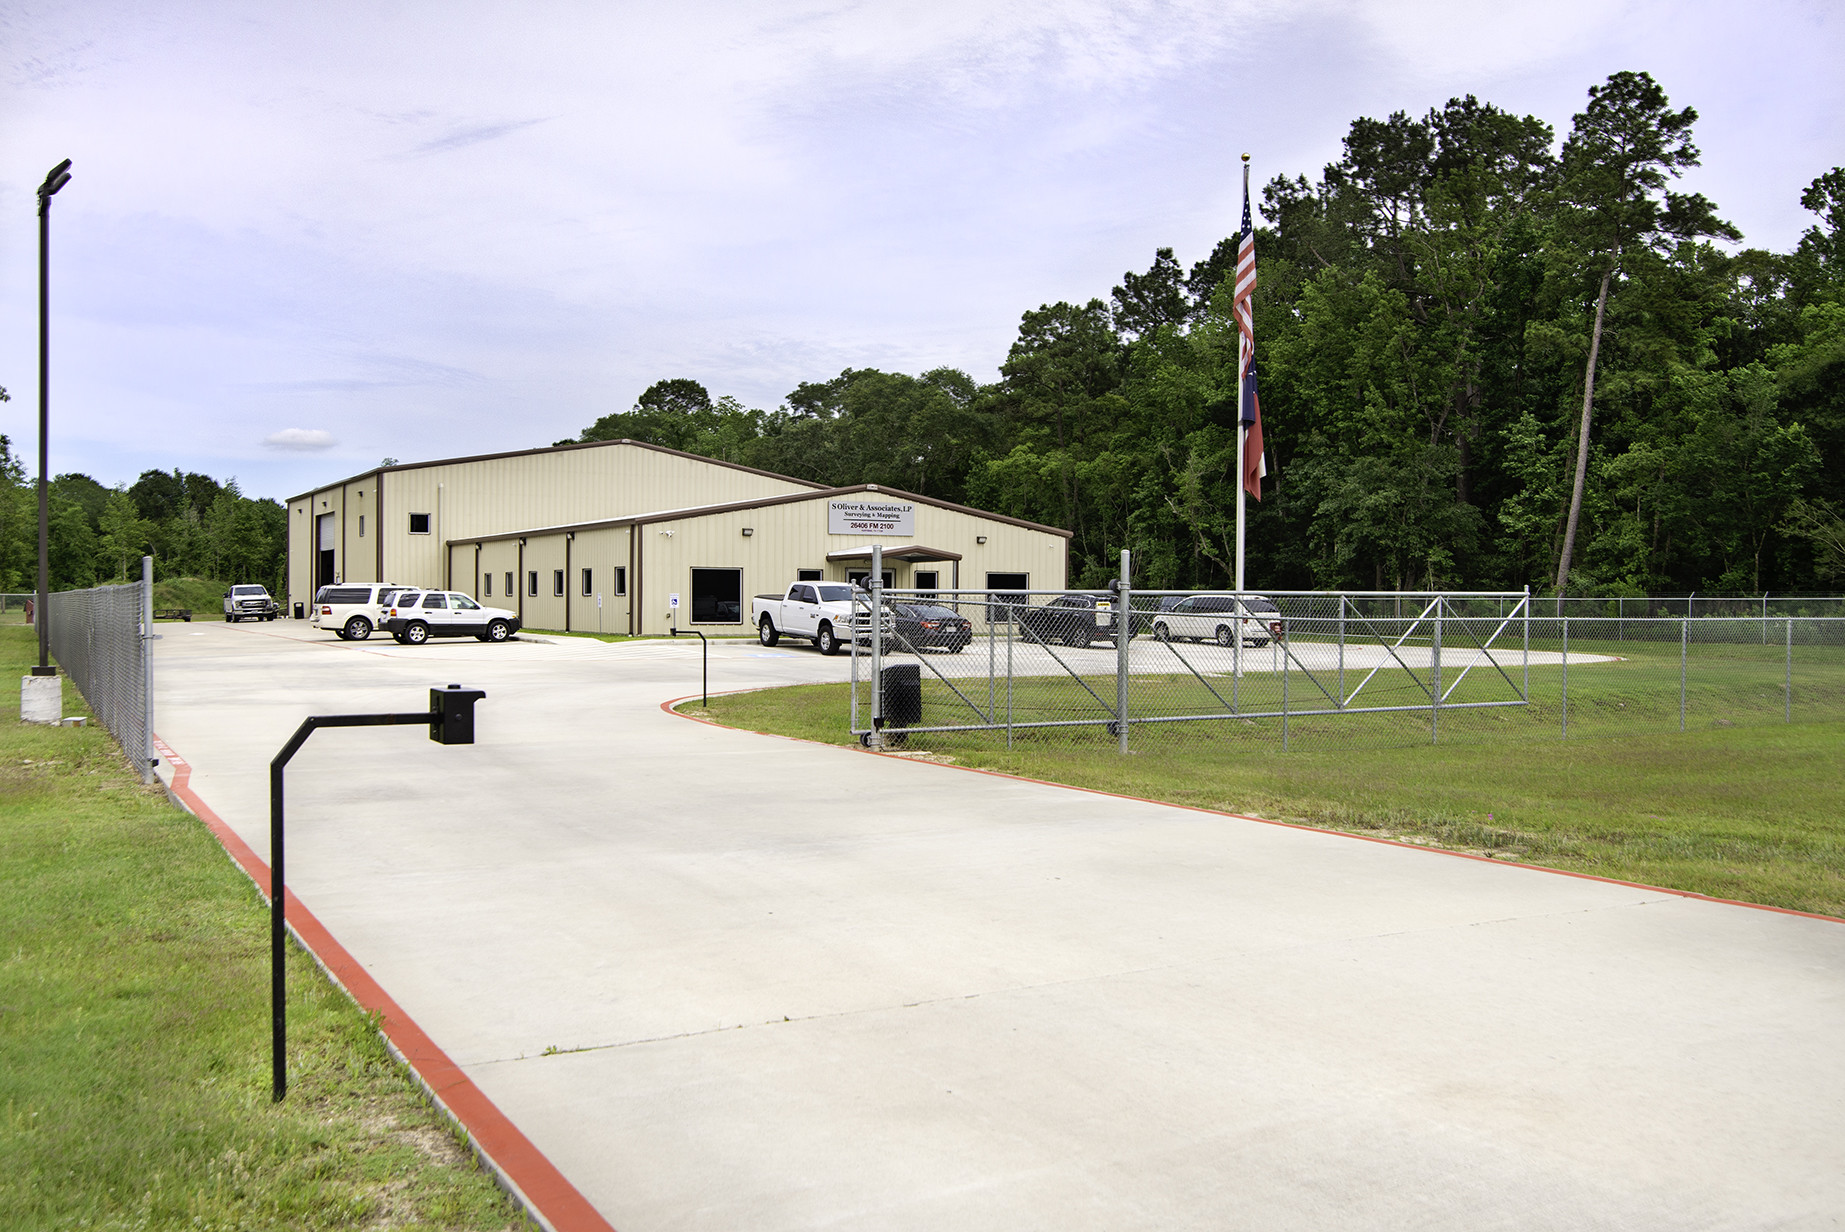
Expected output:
(134, 1062)
(1741, 805)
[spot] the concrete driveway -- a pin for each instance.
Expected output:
(728, 981)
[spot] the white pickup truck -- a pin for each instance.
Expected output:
(825, 613)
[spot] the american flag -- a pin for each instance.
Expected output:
(1254, 466)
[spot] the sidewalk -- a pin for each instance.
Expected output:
(731, 981)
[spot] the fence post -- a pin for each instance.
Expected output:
(1010, 626)
(1124, 628)
(1527, 652)
(1342, 652)
(1684, 643)
(1788, 683)
(1435, 680)
(1566, 677)
(876, 740)
(147, 669)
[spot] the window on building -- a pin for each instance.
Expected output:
(809, 575)
(557, 582)
(1006, 591)
(419, 524)
(486, 585)
(862, 577)
(361, 526)
(717, 596)
(621, 580)
(531, 583)
(589, 582)
(510, 592)
(926, 582)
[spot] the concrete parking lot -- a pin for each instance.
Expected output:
(728, 981)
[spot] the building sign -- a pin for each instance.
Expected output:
(851, 517)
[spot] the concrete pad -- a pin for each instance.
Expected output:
(732, 981)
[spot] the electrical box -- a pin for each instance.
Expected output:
(451, 714)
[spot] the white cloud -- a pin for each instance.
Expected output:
(300, 439)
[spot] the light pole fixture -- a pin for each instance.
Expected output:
(57, 178)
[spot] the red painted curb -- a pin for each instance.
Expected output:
(668, 706)
(532, 1177)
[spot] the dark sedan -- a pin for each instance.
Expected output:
(924, 625)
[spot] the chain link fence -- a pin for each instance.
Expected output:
(103, 639)
(1326, 671)
(15, 608)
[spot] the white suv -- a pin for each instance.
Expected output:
(352, 611)
(415, 616)
(1217, 618)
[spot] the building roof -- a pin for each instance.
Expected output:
(761, 502)
(522, 453)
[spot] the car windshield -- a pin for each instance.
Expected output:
(248, 590)
(835, 594)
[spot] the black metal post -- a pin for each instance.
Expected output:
(55, 179)
(704, 670)
(278, 884)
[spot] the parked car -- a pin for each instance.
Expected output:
(1074, 620)
(1219, 618)
(415, 616)
(249, 603)
(922, 625)
(352, 612)
(821, 612)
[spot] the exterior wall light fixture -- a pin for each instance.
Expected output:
(748, 531)
(980, 538)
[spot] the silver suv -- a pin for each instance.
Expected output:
(353, 610)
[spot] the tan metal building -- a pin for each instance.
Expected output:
(602, 537)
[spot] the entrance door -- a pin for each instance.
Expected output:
(324, 539)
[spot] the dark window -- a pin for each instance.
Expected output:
(557, 582)
(435, 601)
(717, 596)
(486, 585)
(621, 579)
(589, 582)
(361, 526)
(862, 577)
(1006, 588)
(510, 592)
(419, 524)
(348, 594)
(803, 594)
(531, 583)
(809, 575)
(926, 581)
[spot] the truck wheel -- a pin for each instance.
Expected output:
(766, 634)
(357, 629)
(824, 639)
(1224, 635)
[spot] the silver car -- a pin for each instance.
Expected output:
(1220, 619)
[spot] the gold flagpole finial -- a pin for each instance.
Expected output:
(1245, 158)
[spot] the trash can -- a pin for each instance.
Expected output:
(300, 611)
(902, 692)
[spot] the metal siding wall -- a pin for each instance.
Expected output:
(500, 558)
(548, 489)
(793, 536)
(300, 554)
(599, 551)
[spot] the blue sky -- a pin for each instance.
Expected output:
(299, 239)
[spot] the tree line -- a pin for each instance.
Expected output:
(191, 524)
(1487, 359)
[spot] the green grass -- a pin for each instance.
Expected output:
(134, 1047)
(1741, 805)
(203, 596)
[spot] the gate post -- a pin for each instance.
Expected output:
(1124, 628)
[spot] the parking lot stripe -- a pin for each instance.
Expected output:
(521, 1167)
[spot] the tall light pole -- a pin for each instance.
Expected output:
(58, 177)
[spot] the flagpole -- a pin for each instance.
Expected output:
(1241, 432)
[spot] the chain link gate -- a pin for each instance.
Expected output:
(103, 639)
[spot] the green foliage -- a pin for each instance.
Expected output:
(1425, 318)
(189, 523)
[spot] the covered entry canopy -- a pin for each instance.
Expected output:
(910, 552)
